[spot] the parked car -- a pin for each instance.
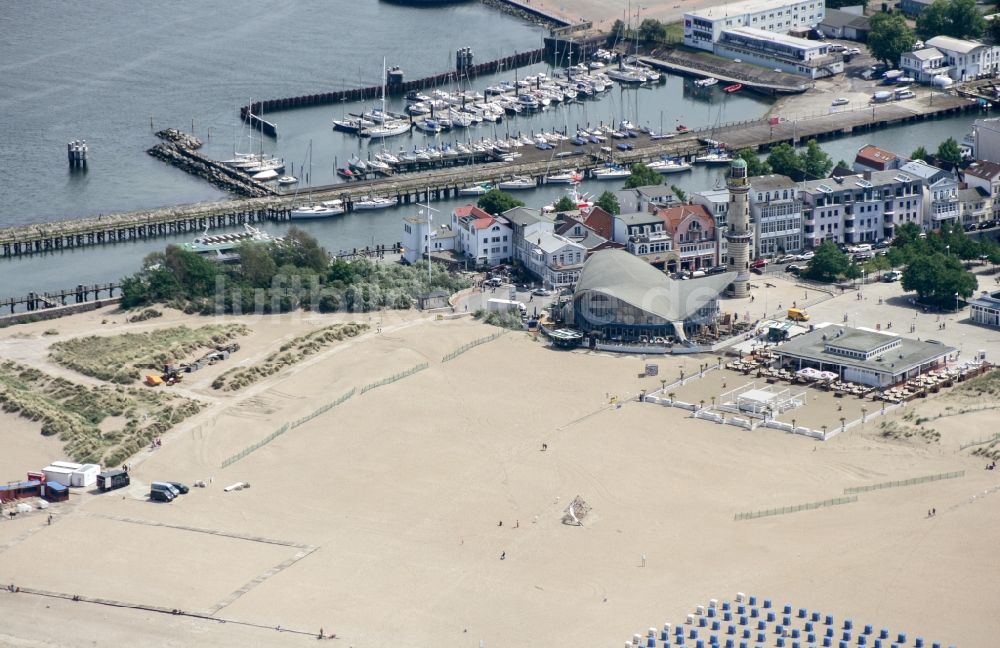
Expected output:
(891, 276)
(181, 488)
(541, 292)
(719, 269)
(793, 268)
(758, 263)
(854, 51)
(840, 101)
(805, 256)
(788, 258)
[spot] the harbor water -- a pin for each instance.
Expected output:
(100, 73)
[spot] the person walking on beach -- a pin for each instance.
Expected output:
(503, 555)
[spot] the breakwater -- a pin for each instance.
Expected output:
(38, 301)
(370, 93)
(179, 149)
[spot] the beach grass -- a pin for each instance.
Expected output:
(123, 358)
(288, 354)
(103, 425)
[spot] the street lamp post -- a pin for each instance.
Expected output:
(956, 302)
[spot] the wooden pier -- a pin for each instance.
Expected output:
(445, 182)
(79, 295)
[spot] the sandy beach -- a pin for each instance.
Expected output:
(380, 520)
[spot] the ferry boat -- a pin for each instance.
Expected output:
(222, 247)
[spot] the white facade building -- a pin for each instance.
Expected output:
(486, 240)
(775, 215)
(966, 59)
(554, 259)
(986, 139)
(860, 208)
(986, 176)
(924, 64)
(779, 51)
(704, 27)
(419, 235)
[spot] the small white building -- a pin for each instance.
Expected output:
(421, 236)
(940, 194)
(484, 239)
(986, 176)
(985, 310)
(704, 27)
(924, 64)
(779, 51)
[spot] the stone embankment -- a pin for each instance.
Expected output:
(178, 149)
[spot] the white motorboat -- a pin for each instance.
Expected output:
(517, 183)
(374, 202)
(476, 190)
(706, 82)
(564, 177)
(287, 180)
(669, 165)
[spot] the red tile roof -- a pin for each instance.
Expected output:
(875, 157)
(471, 210)
(674, 216)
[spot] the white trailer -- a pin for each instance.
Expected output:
(85, 475)
(505, 306)
(59, 475)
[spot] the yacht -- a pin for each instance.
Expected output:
(322, 210)
(428, 126)
(716, 157)
(564, 177)
(476, 190)
(269, 164)
(287, 180)
(611, 172)
(351, 125)
(374, 202)
(265, 175)
(669, 165)
(517, 183)
(389, 128)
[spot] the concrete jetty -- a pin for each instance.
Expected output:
(441, 183)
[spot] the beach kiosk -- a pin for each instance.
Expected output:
(56, 492)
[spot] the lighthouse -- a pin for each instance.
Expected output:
(738, 231)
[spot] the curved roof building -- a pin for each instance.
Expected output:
(620, 296)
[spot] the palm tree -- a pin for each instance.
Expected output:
(671, 395)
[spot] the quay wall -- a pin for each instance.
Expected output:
(56, 312)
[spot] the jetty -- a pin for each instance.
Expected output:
(444, 182)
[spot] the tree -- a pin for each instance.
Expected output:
(642, 176)
(955, 18)
(937, 278)
(680, 193)
(608, 202)
(815, 162)
(565, 204)
(300, 250)
(257, 264)
(949, 152)
(495, 202)
(755, 166)
(652, 31)
(920, 153)
(827, 264)
(785, 161)
(889, 37)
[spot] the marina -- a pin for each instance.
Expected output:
(439, 181)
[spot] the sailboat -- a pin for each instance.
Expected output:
(311, 211)
(386, 125)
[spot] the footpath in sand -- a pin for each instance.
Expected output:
(380, 519)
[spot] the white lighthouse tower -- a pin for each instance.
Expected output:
(738, 230)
